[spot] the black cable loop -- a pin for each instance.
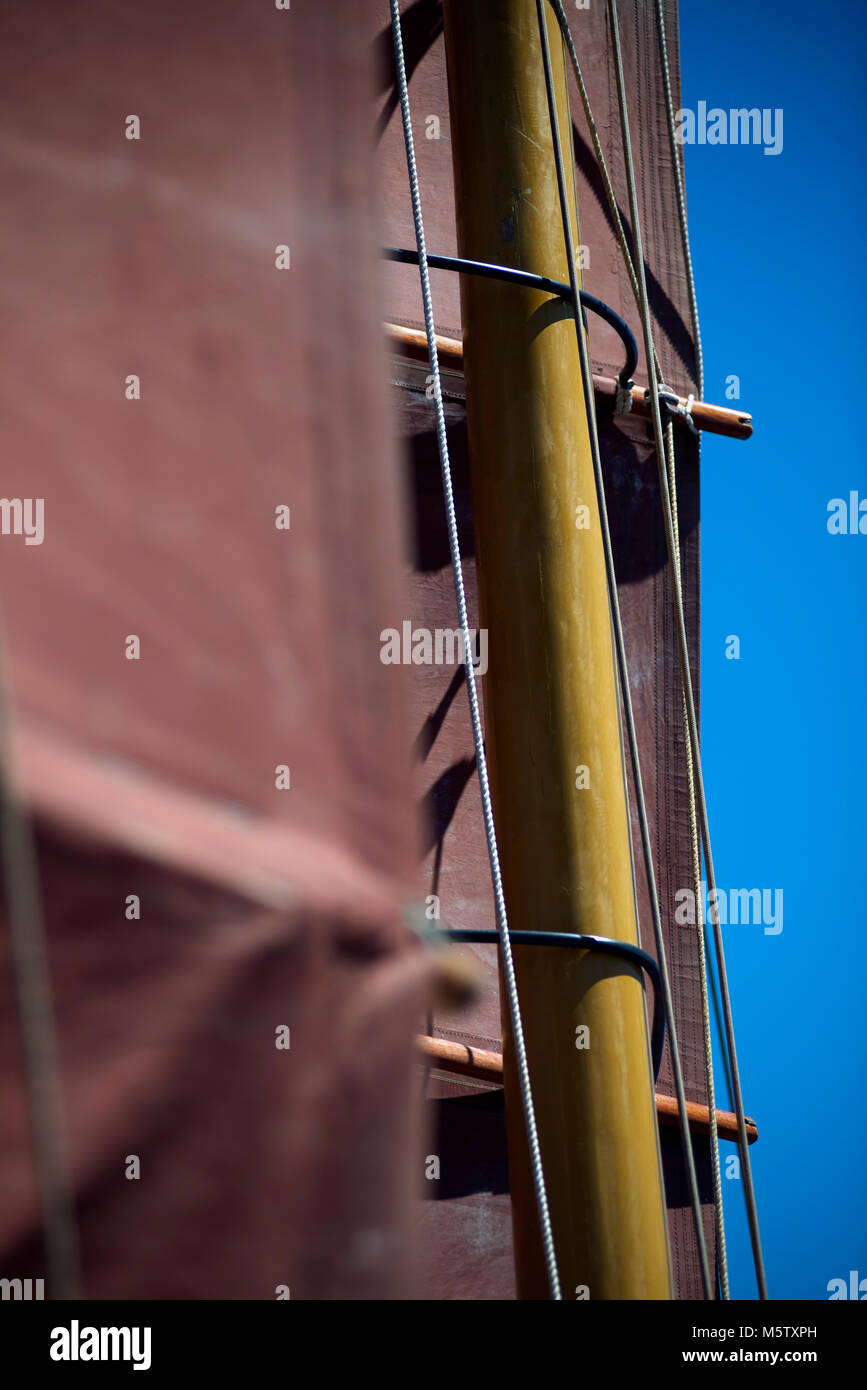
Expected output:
(486, 270)
(603, 945)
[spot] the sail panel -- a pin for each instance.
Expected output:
(264, 905)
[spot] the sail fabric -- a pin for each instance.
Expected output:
(214, 756)
(465, 1222)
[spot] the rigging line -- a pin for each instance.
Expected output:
(523, 1070)
(620, 232)
(719, 1222)
(38, 1039)
(722, 1257)
(683, 652)
(704, 975)
(610, 195)
(626, 693)
(718, 1020)
(681, 197)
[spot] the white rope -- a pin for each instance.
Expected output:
(719, 1221)
(722, 1257)
(475, 715)
(681, 197)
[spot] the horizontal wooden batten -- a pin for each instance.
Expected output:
(412, 343)
(481, 1065)
(713, 419)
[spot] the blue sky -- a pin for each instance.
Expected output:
(778, 244)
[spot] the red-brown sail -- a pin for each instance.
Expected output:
(261, 908)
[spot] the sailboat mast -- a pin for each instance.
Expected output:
(551, 700)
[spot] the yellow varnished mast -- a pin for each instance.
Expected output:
(551, 701)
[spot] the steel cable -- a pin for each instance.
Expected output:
(683, 653)
(547, 1233)
(704, 979)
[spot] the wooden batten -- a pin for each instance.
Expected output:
(479, 1064)
(711, 419)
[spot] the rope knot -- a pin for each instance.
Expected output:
(671, 402)
(623, 397)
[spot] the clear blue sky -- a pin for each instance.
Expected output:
(779, 248)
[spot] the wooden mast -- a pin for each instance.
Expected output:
(551, 701)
